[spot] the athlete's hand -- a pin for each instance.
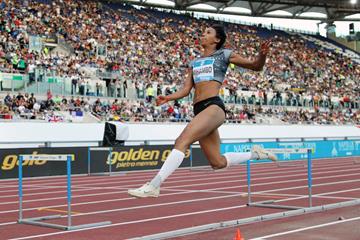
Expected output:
(160, 100)
(265, 47)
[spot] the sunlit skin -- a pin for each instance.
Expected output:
(203, 127)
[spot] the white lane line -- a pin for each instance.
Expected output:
(232, 187)
(7, 223)
(105, 181)
(144, 220)
(270, 183)
(240, 186)
(202, 184)
(97, 202)
(178, 174)
(132, 222)
(124, 199)
(307, 228)
(236, 171)
(171, 180)
(138, 221)
(181, 181)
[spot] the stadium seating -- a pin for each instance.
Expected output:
(116, 50)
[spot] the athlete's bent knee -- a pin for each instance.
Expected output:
(218, 164)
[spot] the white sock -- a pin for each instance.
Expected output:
(234, 158)
(171, 163)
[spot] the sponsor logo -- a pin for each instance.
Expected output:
(139, 157)
(11, 161)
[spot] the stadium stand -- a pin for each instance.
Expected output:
(116, 58)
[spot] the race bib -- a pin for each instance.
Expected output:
(203, 70)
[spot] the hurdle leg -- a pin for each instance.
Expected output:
(88, 162)
(309, 176)
(110, 171)
(69, 225)
(199, 168)
(248, 172)
(108, 159)
(20, 189)
(69, 190)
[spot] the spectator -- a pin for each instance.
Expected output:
(150, 93)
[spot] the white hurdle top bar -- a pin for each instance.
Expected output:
(46, 157)
(288, 150)
(100, 148)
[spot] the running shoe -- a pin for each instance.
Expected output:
(262, 153)
(147, 190)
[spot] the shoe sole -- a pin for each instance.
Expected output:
(142, 196)
(263, 151)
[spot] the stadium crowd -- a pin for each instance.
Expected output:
(28, 107)
(149, 49)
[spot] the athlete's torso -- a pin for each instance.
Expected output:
(212, 67)
(209, 73)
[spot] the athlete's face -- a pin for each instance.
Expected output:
(208, 38)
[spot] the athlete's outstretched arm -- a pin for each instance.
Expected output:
(184, 91)
(255, 64)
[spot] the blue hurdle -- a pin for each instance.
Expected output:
(106, 149)
(37, 220)
(110, 172)
(270, 204)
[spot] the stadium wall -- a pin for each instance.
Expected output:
(142, 157)
(83, 134)
(129, 158)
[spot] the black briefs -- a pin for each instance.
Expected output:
(202, 105)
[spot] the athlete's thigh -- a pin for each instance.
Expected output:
(203, 124)
(210, 145)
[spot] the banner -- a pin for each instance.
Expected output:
(320, 149)
(9, 160)
(52, 39)
(124, 158)
(15, 81)
(127, 158)
(35, 43)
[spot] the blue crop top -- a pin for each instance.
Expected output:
(210, 68)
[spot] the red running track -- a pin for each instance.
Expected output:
(189, 198)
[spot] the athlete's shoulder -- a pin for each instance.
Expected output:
(227, 53)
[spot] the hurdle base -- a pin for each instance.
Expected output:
(89, 225)
(36, 222)
(268, 205)
(243, 221)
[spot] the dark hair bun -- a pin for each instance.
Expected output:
(220, 34)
